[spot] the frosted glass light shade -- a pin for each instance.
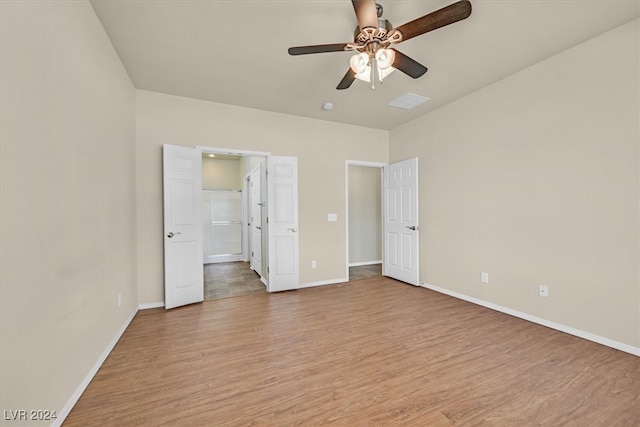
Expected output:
(385, 58)
(359, 62)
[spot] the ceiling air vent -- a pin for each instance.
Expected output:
(408, 101)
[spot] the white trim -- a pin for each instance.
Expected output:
(358, 264)
(323, 283)
(368, 164)
(348, 163)
(232, 151)
(214, 259)
(148, 305)
(553, 325)
(64, 412)
(245, 218)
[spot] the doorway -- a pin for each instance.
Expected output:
(364, 219)
(182, 212)
(398, 209)
(232, 222)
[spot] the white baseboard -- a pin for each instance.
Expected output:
(148, 305)
(359, 264)
(213, 259)
(64, 412)
(553, 325)
(322, 283)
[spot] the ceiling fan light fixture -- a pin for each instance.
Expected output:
(374, 34)
(365, 76)
(385, 58)
(359, 62)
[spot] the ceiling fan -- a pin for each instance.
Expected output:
(374, 35)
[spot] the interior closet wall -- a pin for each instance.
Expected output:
(365, 215)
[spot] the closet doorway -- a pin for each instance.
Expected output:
(231, 186)
(364, 219)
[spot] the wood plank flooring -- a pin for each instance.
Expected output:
(370, 352)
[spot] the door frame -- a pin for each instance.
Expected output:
(249, 214)
(348, 163)
(203, 149)
(266, 255)
(245, 219)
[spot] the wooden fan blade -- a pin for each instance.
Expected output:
(319, 48)
(447, 15)
(366, 13)
(347, 80)
(407, 65)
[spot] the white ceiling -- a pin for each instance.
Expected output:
(235, 51)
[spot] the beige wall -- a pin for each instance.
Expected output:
(365, 214)
(68, 200)
(535, 179)
(220, 174)
(321, 147)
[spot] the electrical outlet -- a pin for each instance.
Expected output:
(314, 264)
(484, 277)
(543, 291)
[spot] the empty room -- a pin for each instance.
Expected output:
(320, 212)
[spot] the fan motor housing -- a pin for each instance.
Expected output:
(382, 23)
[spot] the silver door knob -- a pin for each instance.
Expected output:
(293, 229)
(411, 227)
(171, 234)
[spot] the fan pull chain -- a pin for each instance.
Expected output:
(374, 68)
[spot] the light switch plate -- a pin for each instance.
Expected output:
(332, 217)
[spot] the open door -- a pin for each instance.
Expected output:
(255, 219)
(182, 184)
(282, 223)
(401, 234)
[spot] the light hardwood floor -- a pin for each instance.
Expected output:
(371, 352)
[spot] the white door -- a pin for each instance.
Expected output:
(282, 223)
(255, 219)
(182, 187)
(400, 199)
